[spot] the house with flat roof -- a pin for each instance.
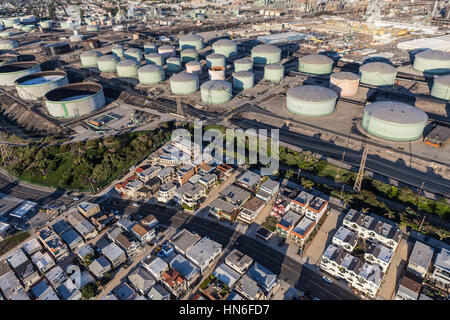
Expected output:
(143, 233)
(56, 276)
(420, 259)
(166, 192)
(82, 226)
(379, 255)
(267, 190)
(158, 293)
(174, 281)
(235, 195)
(9, 283)
(155, 265)
(53, 243)
(441, 272)
(265, 278)
(32, 246)
(69, 291)
(249, 180)
(287, 223)
(251, 209)
(238, 261)
(141, 280)
(345, 238)
(125, 292)
(114, 254)
(316, 209)
(150, 221)
(208, 180)
(149, 173)
(408, 289)
(301, 232)
(166, 175)
(99, 267)
(43, 291)
(226, 274)
(249, 289)
(184, 240)
(4, 230)
(72, 239)
(42, 261)
(23, 267)
(88, 209)
(263, 233)
(60, 227)
(184, 173)
(301, 202)
(203, 253)
(84, 251)
(223, 209)
(189, 271)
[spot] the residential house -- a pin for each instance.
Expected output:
(150, 221)
(174, 281)
(158, 293)
(82, 226)
(205, 169)
(32, 246)
(301, 202)
(235, 195)
(143, 232)
(265, 278)
(267, 190)
(420, 259)
(72, 239)
(189, 271)
(345, 238)
(155, 265)
(42, 261)
(125, 292)
(203, 253)
(250, 210)
(153, 185)
(141, 280)
(238, 261)
(166, 175)
(223, 171)
(372, 229)
(125, 223)
(23, 267)
(208, 180)
(60, 227)
(301, 232)
(282, 205)
(263, 233)
(9, 283)
(88, 209)
(101, 221)
(409, 289)
(441, 272)
(149, 173)
(114, 254)
(128, 243)
(193, 196)
(223, 209)
(69, 291)
(85, 251)
(56, 276)
(166, 192)
(249, 180)
(4, 230)
(167, 250)
(287, 223)
(379, 255)
(226, 274)
(184, 173)
(184, 240)
(99, 267)
(249, 289)
(316, 209)
(43, 291)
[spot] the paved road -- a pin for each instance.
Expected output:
(289, 270)
(397, 171)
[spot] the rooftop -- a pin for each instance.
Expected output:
(421, 255)
(184, 240)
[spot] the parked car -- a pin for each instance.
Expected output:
(299, 251)
(327, 279)
(315, 298)
(135, 204)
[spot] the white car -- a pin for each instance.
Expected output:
(327, 279)
(135, 204)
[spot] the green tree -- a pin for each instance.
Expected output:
(89, 291)
(307, 184)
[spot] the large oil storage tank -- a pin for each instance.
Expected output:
(5, 34)
(127, 68)
(173, 64)
(311, 100)
(134, 54)
(74, 100)
(118, 50)
(7, 58)
(107, 63)
(215, 60)
(191, 41)
(315, 64)
(225, 47)
(150, 74)
(150, 48)
(432, 61)
(243, 80)
(274, 72)
(194, 67)
(184, 83)
(441, 87)
(244, 64)
(216, 73)
(9, 73)
(8, 44)
(36, 85)
(188, 55)
(167, 50)
(28, 28)
(90, 58)
(266, 54)
(345, 83)
(394, 121)
(377, 74)
(8, 22)
(216, 92)
(154, 58)
(46, 25)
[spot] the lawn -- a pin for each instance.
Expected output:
(12, 241)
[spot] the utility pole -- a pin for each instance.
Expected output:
(418, 194)
(6, 155)
(360, 176)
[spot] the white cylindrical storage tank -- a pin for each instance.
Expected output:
(166, 50)
(377, 74)
(8, 22)
(28, 28)
(150, 48)
(393, 120)
(134, 54)
(127, 68)
(266, 54)
(188, 55)
(150, 74)
(194, 67)
(107, 63)
(35, 86)
(216, 92)
(74, 100)
(8, 44)
(243, 80)
(173, 64)
(441, 87)
(118, 50)
(215, 60)
(5, 34)
(184, 83)
(216, 73)
(315, 64)
(154, 58)
(311, 100)
(191, 41)
(89, 58)
(243, 64)
(225, 47)
(274, 72)
(7, 58)
(432, 61)
(345, 83)
(47, 24)
(10, 72)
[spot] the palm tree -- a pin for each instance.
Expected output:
(346, 198)
(307, 184)
(442, 233)
(390, 214)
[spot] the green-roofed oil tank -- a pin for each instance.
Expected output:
(378, 74)
(243, 80)
(216, 92)
(90, 58)
(225, 47)
(244, 64)
(154, 58)
(173, 64)
(215, 60)
(266, 54)
(311, 100)
(315, 64)
(150, 48)
(127, 68)
(191, 41)
(441, 87)
(134, 54)
(150, 74)
(184, 83)
(432, 61)
(274, 72)
(10, 72)
(107, 63)
(118, 50)
(188, 55)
